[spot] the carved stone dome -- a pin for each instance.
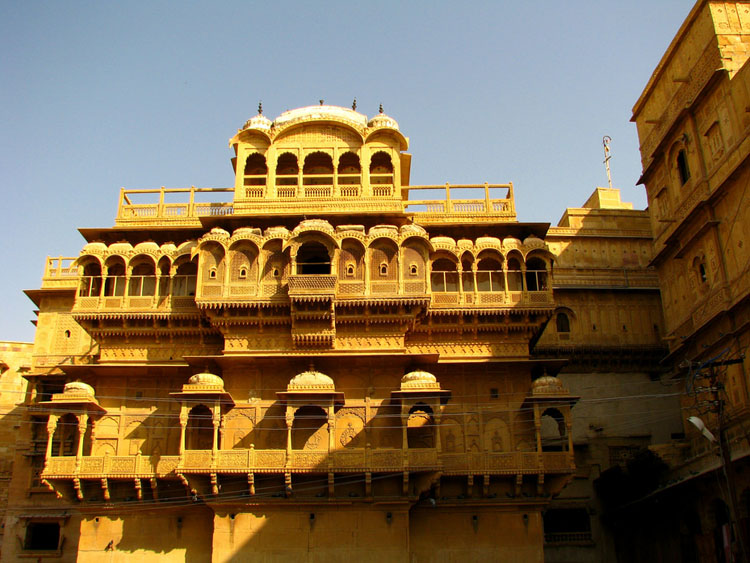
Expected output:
(206, 378)
(276, 232)
(122, 247)
(259, 121)
(488, 242)
(443, 242)
(383, 120)
(511, 242)
(548, 385)
(246, 231)
(147, 247)
(94, 248)
(533, 241)
(78, 388)
(311, 380)
(419, 379)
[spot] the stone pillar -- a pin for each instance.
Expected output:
(289, 423)
(51, 428)
(538, 428)
(331, 429)
(183, 425)
(436, 417)
(82, 421)
(216, 419)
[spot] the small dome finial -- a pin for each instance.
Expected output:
(311, 366)
(260, 108)
(321, 102)
(354, 104)
(380, 109)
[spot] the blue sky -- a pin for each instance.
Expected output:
(99, 95)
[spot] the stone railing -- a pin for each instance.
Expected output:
(312, 284)
(60, 271)
(342, 460)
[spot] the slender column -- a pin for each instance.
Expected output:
(400, 271)
(51, 428)
(538, 428)
(331, 428)
(505, 278)
(289, 423)
(216, 419)
(404, 424)
(82, 420)
(460, 272)
(183, 425)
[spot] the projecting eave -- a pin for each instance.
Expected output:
(321, 358)
(134, 235)
(36, 294)
(473, 230)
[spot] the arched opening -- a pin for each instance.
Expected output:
(313, 258)
(310, 429)
(287, 170)
(244, 263)
(420, 427)
(563, 323)
(318, 169)
(184, 281)
(91, 281)
(142, 279)
(381, 168)
(255, 170)
(536, 275)
(515, 275)
(65, 439)
(115, 284)
(383, 266)
(490, 275)
(444, 277)
(553, 431)
(349, 169)
(199, 434)
(212, 265)
(682, 167)
(351, 261)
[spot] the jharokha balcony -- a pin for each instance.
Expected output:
(315, 442)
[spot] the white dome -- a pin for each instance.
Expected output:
(206, 378)
(310, 380)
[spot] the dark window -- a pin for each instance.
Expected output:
(493, 393)
(563, 323)
(682, 167)
(567, 525)
(42, 536)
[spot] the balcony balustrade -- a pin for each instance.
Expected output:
(135, 293)
(279, 461)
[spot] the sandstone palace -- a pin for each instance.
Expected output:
(325, 362)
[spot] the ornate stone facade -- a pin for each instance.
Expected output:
(322, 361)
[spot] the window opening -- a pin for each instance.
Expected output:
(312, 259)
(383, 269)
(42, 536)
(563, 323)
(682, 167)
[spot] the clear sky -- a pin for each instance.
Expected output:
(98, 95)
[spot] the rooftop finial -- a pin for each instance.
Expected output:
(605, 141)
(311, 366)
(380, 110)
(260, 108)
(354, 104)
(321, 102)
